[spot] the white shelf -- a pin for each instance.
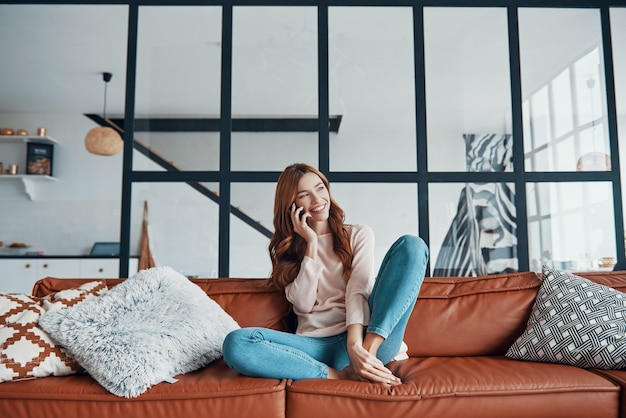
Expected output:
(28, 138)
(28, 181)
(13, 142)
(33, 177)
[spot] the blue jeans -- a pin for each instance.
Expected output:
(262, 352)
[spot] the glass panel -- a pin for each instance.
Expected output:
(51, 78)
(182, 226)
(467, 80)
(274, 80)
(177, 104)
(372, 85)
(563, 117)
(273, 151)
(553, 240)
(473, 229)
(563, 90)
(251, 228)
(389, 209)
(618, 36)
(185, 151)
(249, 257)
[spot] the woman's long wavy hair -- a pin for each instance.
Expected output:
(287, 248)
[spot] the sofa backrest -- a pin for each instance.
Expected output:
(470, 316)
(477, 316)
(614, 279)
(249, 301)
(453, 316)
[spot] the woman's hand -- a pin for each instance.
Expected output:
(364, 364)
(300, 225)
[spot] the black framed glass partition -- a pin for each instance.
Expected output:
(491, 123)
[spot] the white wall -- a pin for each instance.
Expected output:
(68, 215)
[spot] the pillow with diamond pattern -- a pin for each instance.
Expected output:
(26, 351)
(574, 321)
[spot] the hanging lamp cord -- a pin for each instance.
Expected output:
(106, 77)
(104, 110)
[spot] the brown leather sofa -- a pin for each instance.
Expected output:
(457, 337)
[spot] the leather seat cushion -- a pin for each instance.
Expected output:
(215, 388)
(480, 387)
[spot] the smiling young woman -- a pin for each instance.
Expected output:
(351, 322)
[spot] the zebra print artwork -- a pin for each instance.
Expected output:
(482, 237)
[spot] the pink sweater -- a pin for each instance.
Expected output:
(324, 303)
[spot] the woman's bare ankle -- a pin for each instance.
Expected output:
(345, 374)
(372, 341)
(335, 374)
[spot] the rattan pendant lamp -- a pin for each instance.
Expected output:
(104, 140)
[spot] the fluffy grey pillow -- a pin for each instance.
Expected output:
(574, 321)
(146, 330)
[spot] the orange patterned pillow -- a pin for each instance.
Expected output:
(26, 351)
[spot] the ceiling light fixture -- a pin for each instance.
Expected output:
(104, 140)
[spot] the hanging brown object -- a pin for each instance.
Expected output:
(146, 260)
(103, 140)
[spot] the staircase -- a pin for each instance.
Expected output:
(170, 166)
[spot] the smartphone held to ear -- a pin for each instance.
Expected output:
(299, 210)
(302, 213)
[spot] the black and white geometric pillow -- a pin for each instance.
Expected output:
(574, 321)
